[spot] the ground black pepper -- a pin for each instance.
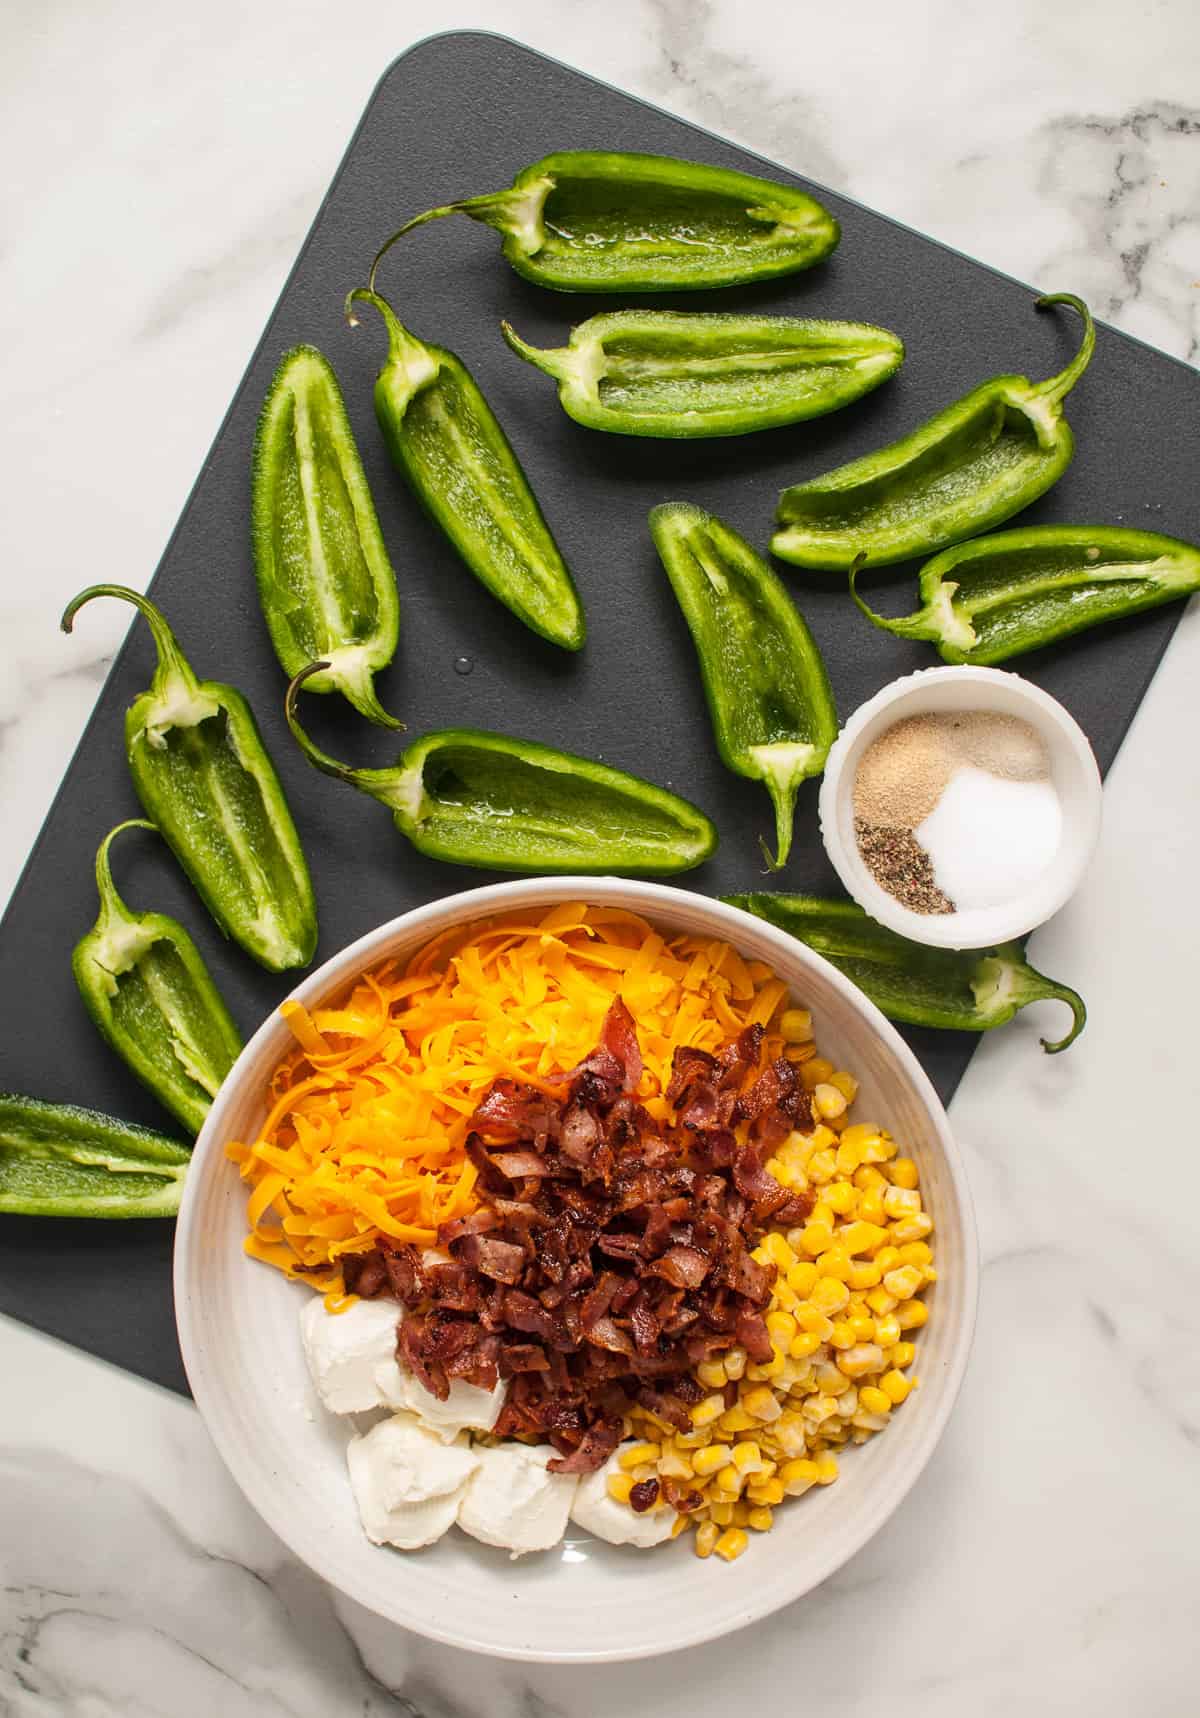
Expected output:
(899, 864)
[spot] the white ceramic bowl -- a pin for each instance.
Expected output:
(584, 1601)
(1073, 772)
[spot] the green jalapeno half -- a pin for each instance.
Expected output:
(999, 596)
(474, 798)
(588, 221)
(148, 991)
(771, 703)
(324, 579)
(205, 780)
(444, 438)
(57, 1160)
(970, 467)
(966, 990)
(686, 373)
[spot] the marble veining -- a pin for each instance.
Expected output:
(1048, 1560)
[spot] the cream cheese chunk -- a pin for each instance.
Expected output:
(514, 1502)
(466, 1409)
(596, 1512)
(407, 1483)
(352, 1355)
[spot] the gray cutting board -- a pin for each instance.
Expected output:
(460, 114)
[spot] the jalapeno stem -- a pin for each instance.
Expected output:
(1058, 387)
(373, 782)
(111, 904)
(172, 662)
(909, 626)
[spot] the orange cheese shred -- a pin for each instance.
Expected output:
(367, 1117)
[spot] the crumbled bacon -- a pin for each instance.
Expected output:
(610, 1254)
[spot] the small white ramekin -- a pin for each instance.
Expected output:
(1073, 771)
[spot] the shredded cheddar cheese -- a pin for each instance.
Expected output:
(369, 1113)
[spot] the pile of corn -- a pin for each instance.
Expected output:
(844, 1301)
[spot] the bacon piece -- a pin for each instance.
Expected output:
(754, 1337)
(593, 1450)
(679, 1499)
(522, 1357)
(667, 1407)
(686, 1267)
(643, 1496)
(365, 1274)
(501, 1260)
(754, 1183)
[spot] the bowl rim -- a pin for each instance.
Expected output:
(651, 899)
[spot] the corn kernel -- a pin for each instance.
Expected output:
(729, 1481)
(864, 1357)
(912, 1314)
(731, 1544)
(901, 1202)
(721, 1513)
(841, 1198)
(735, 1420)
(767, 1492)
(801, 1276)
(779, 1250)
(636, 1454)
(904, 1281)
(643, 1471)
(619, 1487)
(705, 1542)
(873, 1400)
(815, 1073)
(848, 1403)
(860, 1135)
(903, 1354)
(860, 1237)
(912, 1228)
(693, 1440)
(845, 1083)
(847, 1158)
(822, 1213)
(903, 1173)
(863, 1326)
(789, 1434)
(881, 1302)
(761, 1519)
(805, 1344)
(795, 1025)
(887, 1330)
(711, 1373)
(735, 1363)
(785, 1297)
(678, 1526)
(843, 1334)
(917, 1253)
(870, 1206)
(741, 1513)
(782, 1327)
(747, 1457)
(828, 1102)
(762, 1403)
(818, 1409)
(797, 1476)
(711, 1459)
(864, 1274)
(868, 1179)
(821, 1168)
(895, 1386)
(829, 1378)
(829, 1295)
(887, 1258)
(827, 1469)
(761, 1371)
(817, 1238)
(834, 1263)
(705, 1412)
(673, 1464)
(865, 1424)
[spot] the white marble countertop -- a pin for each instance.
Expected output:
(164, 165)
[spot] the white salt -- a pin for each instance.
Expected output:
(990, 837)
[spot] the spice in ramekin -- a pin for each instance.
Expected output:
(956, 810)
